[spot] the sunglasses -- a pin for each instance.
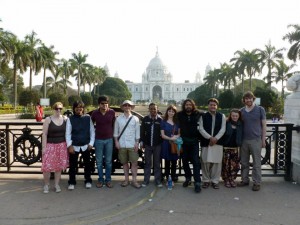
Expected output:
(58, 109)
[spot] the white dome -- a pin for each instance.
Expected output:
(156, 63)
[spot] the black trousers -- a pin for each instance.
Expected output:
(73, 168)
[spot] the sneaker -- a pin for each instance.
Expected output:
(46, 189)
(186, 183)
(159, 185)
(145, 184)
(255, 187)
(197, 187)
(243, 184)
(57, 189)
(71, 187)
(88, 185)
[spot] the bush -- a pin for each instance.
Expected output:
(86, 98)
(73, 98)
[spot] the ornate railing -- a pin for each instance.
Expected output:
(20, 150)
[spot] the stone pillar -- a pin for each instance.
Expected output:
(292, 115)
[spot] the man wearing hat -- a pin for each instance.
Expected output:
(127, 135)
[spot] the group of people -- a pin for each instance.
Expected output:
(225, 143)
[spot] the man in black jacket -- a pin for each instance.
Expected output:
(188, 123)
(151, 140)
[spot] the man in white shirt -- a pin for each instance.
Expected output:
(127, 142)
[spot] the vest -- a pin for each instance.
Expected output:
(207, 121)
(80, 134)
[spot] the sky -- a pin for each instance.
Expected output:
(125, 34)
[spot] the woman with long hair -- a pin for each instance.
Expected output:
(170, 131)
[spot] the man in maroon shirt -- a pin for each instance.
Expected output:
(104, 118)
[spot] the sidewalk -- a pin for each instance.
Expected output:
(23, 203)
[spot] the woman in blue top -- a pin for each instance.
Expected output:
(169, 132)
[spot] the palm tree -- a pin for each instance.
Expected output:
(227, 75)
(46, 61)
(212, 81)
(55, 84)
(247, 62)
(79, 63)
(282, 73)
(294, 39)
(21, 59)
(66, 71)
(6, 46)
(34, 44)
(268, 58)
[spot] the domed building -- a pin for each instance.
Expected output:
(157, 84)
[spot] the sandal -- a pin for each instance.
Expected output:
(205, 185)
(125, 183)
(136, 185)
(227, 184)
(215, 186)
(233, 184)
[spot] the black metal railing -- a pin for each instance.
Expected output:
(20, 150)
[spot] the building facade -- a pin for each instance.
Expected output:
(157, 85)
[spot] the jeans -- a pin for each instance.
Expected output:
(104, 148)
(191, 154)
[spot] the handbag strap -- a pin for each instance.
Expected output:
(124, 127)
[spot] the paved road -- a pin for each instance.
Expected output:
(23, 203)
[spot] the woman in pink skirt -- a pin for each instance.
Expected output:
(55, 155)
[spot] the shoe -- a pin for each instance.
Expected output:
(186, 183)
(99, 184)
(57, 189)
(205, 185)
(255, 187)
(197, 187)
(145, 184)
(109, 184)
(242, 184)
(215, 186)
(159, 185)
(46, 189)
(175, 178)
(125, 183)
(136, 185)
(71, 187)
(88, 185)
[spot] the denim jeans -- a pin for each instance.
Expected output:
(104, 148)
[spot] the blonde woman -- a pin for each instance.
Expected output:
(55, 155)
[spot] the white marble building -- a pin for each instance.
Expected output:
(157, 84)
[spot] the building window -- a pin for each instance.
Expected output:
(136, 89)
(177, 89)
(146, 89)
(183, 89)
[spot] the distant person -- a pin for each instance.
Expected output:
(188, 121)
(39, 112)
(254, 136)
(151, 141)
(54, 148)
(127, 137)
(212, 128)
(104, 117)
(231, 145)
(80, 137)
(170, 131)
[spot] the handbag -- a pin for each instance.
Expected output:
(174, 144)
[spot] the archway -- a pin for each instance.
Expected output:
(157, 93)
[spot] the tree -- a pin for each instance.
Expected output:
(200, 95)
(33, 44)
(247, 63)
(226, 99)
(268, 58)
(267, 97)
(28, 96)
(58, 97)
(282, 73)
(79, 64)
(212, 81)
(294, 39)
(66, 71)
(86, 98)
(47, 61)
(115, 88)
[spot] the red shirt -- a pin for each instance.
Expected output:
(104, 123)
